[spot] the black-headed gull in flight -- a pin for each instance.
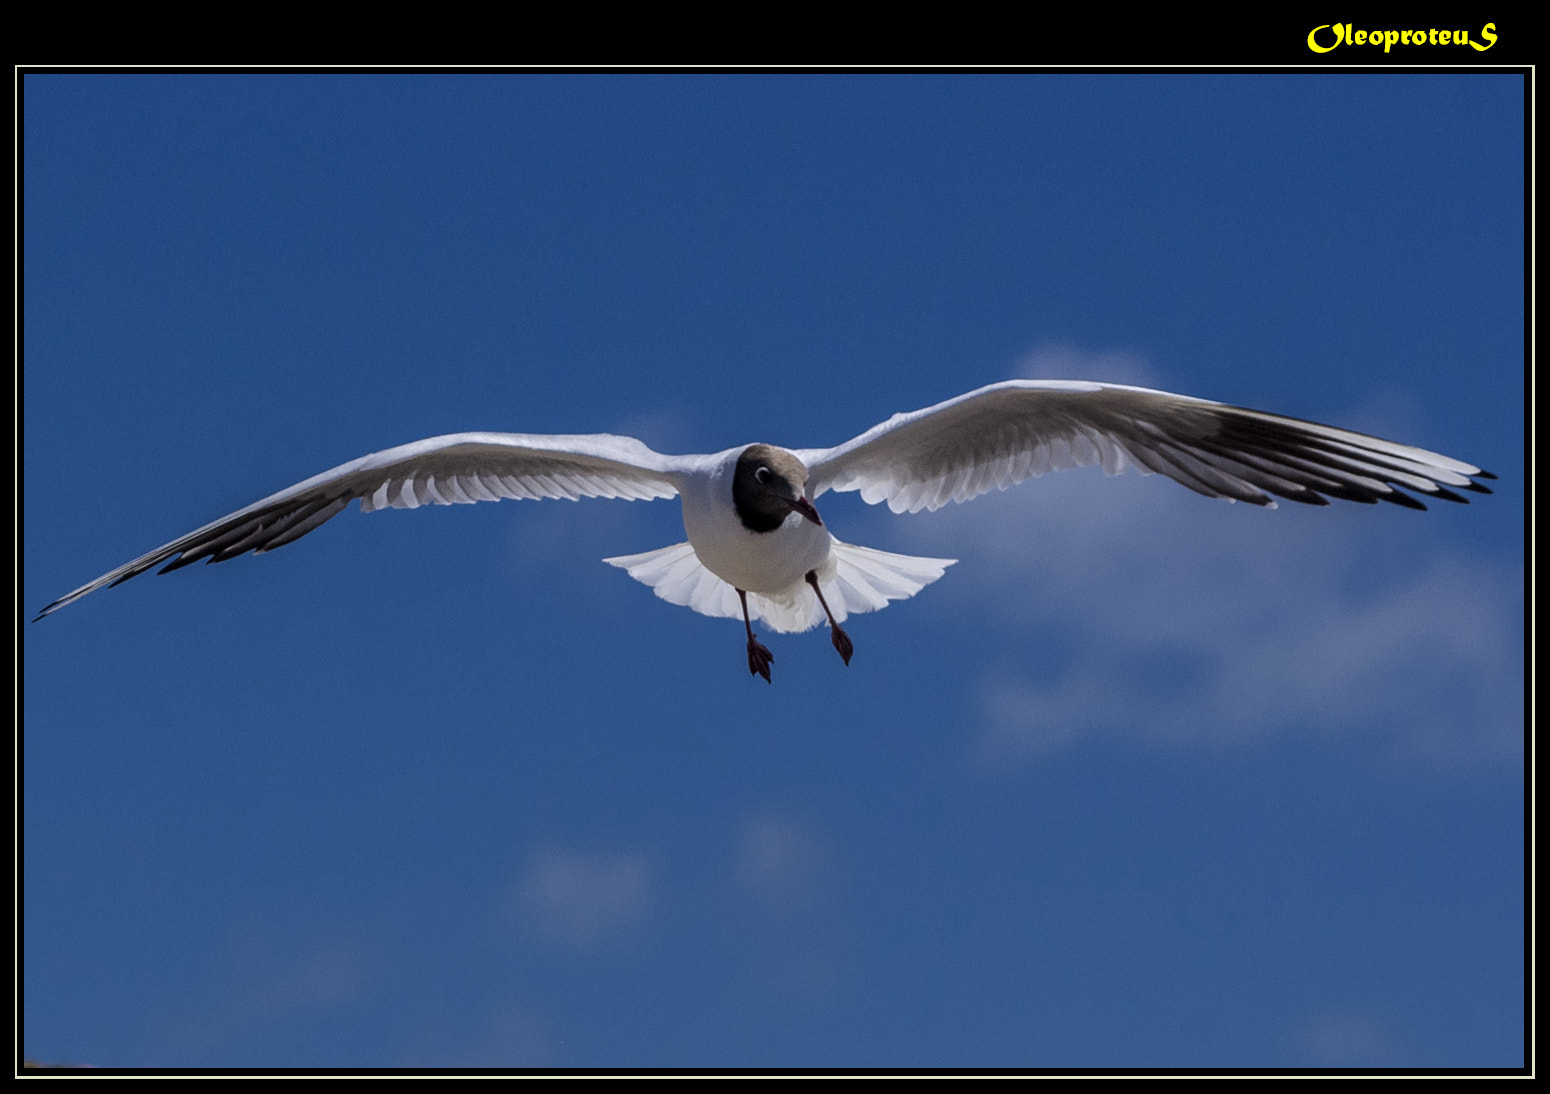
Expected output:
(757, 547)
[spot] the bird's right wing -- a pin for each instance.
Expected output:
(455, 469)
(1002, 434)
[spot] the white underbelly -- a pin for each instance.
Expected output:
(763, 562)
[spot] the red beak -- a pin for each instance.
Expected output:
(805, 507)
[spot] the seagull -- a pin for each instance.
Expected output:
(757, 548)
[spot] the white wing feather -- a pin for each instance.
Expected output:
(457, 469)
(1008, 432)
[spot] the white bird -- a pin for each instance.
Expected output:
(757, 547)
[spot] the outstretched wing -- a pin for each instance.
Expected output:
(456, 469)
(1007, 432)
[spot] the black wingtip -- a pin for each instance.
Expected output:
(1399, 497)
(1312, 497)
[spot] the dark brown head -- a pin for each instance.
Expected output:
(767, 488)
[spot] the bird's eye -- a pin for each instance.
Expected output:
(763, 474)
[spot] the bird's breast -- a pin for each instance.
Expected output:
(757, 562)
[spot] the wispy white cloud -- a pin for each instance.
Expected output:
(1348, 1040)
(1062, 361)
(585, 899)
(1429, 663)
(270, 979)
(784, 864)
(787, 875)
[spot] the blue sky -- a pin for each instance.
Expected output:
(1146, 780)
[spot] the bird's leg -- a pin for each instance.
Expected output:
(759, 658)
(840, 639)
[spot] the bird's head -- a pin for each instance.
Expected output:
(767, 488)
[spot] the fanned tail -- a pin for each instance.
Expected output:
(854, 580)
(867, 579)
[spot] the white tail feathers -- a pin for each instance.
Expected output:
(854, 579)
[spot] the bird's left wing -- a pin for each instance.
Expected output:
(1007, 432)
(455, 469)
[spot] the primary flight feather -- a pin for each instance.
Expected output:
(757, 547)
